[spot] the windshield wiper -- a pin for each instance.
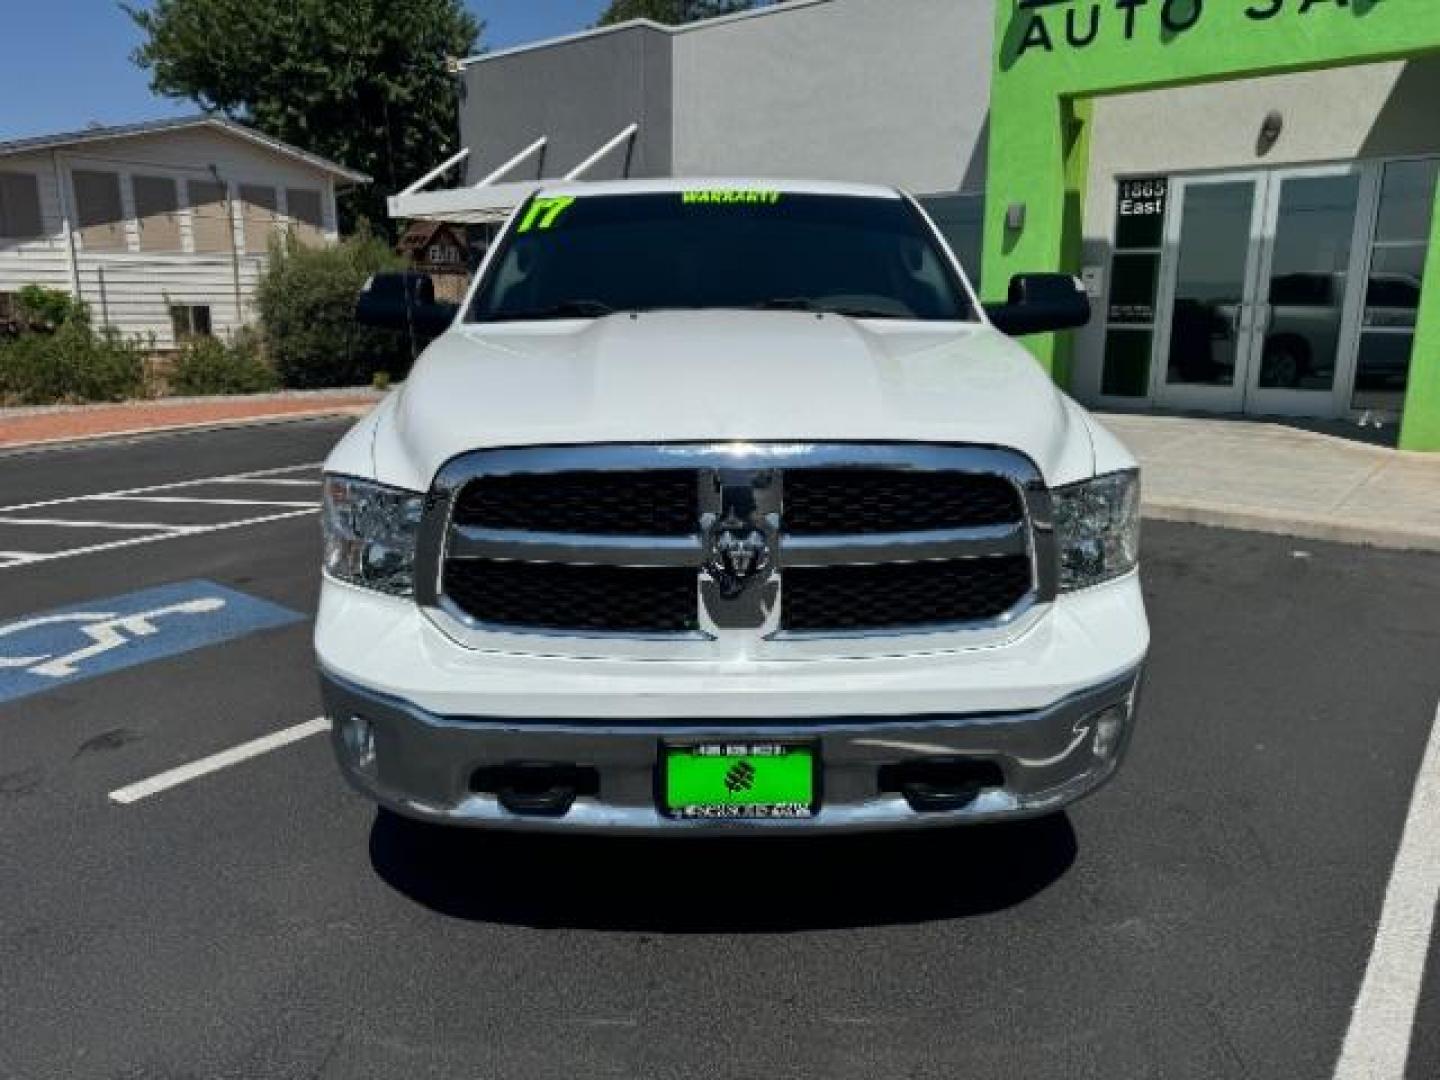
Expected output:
(802, 303)
(867, 313)
(789, 303)
(565, 309)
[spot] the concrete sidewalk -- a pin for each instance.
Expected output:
(1275, 478)
(74, 423)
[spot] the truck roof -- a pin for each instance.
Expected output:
(674, 185)
(493, 203)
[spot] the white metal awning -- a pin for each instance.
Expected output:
(488, 200)
(463, 206)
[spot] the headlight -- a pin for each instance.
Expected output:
(370, 533)
(1097, 529)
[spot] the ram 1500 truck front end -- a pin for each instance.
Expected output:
(800, 554)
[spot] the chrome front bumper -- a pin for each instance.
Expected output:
(423, 766)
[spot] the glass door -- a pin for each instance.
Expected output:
(1205, 339)
(1401, 244)
(1260, 299)
(1306, 307)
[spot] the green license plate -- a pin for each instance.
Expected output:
(740, 780)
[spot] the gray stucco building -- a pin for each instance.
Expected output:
(869, 90)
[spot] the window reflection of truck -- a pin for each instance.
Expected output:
(1390, 304)
(1303, 333)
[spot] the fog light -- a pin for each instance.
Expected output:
(358, 737)
(1110, 730)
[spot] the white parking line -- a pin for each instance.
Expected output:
(266, 480)
(67, 523)
(156, 531)
(150, 538)
(215, 762)
(1377, 1044)
(173, 485)
(186, 500)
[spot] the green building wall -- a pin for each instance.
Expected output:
(1052, 57)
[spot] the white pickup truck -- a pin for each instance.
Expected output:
(726, 506)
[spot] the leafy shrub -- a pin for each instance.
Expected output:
(210, 366)
(72, 364)
(49, 308)
(307, 313)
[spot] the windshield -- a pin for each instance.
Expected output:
(585, 257)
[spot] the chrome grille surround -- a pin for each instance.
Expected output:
(740, 500)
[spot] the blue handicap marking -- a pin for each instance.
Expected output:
(56, 648)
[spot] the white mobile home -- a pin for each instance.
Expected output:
(161, 228)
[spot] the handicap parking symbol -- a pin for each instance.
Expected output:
(54, 648)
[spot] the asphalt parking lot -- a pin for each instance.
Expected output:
(167, 912)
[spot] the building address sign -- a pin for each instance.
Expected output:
(1078, 24)
(1139, 236)
(1140, 212)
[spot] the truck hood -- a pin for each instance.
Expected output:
(720, 376)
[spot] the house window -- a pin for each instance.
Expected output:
(99, 211)
(189, 321)
(304, 207)
(9, 308)
(210, 217)
(20, 206)
(258, 212)
(157, 210)
(443, 255)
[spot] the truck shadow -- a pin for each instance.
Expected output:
(721, 885)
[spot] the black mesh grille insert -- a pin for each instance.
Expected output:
(839, 598)
(586, 599)
(831, 502)
(662, 502)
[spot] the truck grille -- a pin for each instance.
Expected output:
(850, 599)
(577, 599)
(619, 503)
(870, 501)
(702, 541)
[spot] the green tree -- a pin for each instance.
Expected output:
(306, 298)
(671, 12)
(363, 82)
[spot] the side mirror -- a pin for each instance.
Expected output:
(404, 301)
(1039, 303)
